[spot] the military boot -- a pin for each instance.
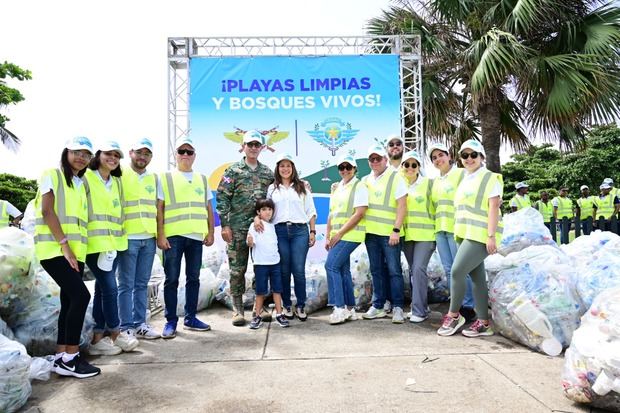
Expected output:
(238, 319)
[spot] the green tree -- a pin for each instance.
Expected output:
(493, 69)
(17, 190)
(9, 95)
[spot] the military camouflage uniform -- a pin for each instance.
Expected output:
(237, 193)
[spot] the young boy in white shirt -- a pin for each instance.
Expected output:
(264, 254)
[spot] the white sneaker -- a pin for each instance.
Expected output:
(337, 316)
(350, 315)
(104, 347)
(398, 316)
(126, 341)
(373, 313)
(147, 332)
(417, 319)
(387, 307)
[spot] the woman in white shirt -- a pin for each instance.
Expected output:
(293, 213)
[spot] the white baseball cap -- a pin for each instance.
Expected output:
(412, 155)
(80, 143)
(377, 150)
(605, 186)
(144, 143)
(394, 136)
(437, 146)
(253, 136)
(184, 141)
(111, 146)
(582, 187)
(346, 159)
(474, 145)
(520, 185)
(282, 157)
(608, 181)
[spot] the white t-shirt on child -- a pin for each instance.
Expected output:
(265, 251)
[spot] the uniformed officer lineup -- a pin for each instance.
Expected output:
(92, 211)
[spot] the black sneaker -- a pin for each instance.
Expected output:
(288, 313)
(78, 367)
(301, 314)
(282, 321)
(256, 322)
(468, 313)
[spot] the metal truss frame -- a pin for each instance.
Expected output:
(182, 49)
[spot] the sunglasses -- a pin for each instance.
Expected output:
(83, 155)
(375, 159)
(466, 155)
(393, 144)
(343, 167)
(408, 165)
(185, 152)
(254, 144)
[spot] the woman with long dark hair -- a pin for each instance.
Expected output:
(294, 212)
(105, 238)
(60, 245)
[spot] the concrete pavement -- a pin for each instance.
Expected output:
(314, 367)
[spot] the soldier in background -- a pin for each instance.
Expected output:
(242, 184)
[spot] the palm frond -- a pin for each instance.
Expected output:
(9, 139)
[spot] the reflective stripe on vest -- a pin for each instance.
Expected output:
(4, 214)
(105, 214)
(140, 203)
(442, 196)
(382, 205)
(340, 216)
(71, 210)
(546, 210)
(522, 201)
(605, 206)
(586, 207)
(565, 208)
(420, 220)
(185, 205)
(472, 217)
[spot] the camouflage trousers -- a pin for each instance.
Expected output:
(238, 252)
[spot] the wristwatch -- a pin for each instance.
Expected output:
(397, 230)
(313, 231)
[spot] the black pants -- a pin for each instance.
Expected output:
(74, 299)
(564, 229)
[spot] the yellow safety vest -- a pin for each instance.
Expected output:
(565, 207)
(105, 214)
(341, 209)
(382, 204)
(605, 206)
(420, 218)
(70, 205)
(185, 205)
(442, 196)
(522, 201)
(471, 203)
(586, 206)
(4, 214)
(545, 209)
(140, 203)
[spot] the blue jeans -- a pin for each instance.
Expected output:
(134, 272)
(565, 224)
(338, 269)
(105, 300)
(379, 252)
(293, 246)
(446, 246)
(266, 276)
(192, 249)
(586, 226)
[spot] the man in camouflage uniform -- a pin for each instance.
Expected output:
(242, 184)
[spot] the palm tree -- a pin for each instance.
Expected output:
(9, 95)
(503, 71)
(9, 139)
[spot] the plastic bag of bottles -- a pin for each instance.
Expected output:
(583, 249)
(438, 291)
(362, 280)
(536, 307)
(16, 254)
(592, 362)
(15, 385)
(537, 256)
(316, 288)
(212, 258)
(223, 294)
(523, 229)
(597, 277)
(6, 331)
(28, 221)
(209, 288)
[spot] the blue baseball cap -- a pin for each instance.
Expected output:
(80, 143)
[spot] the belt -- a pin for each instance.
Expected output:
(289, 223)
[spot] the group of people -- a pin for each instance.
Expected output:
(92, 211)
(584, 215)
